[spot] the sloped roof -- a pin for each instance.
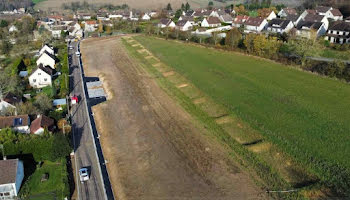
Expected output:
(290, 11)
(13, 121)
(188, 18)
(254, 21)
(322, 9)
(164, 21)
(336, 12)
(309, 24)
(227, 17)
(46, 69)
(313, 18)
(292, 18)
(11, 98)
(213, 20)
(280, 23)
(240, 19)
(340, 26)
(41, 122)
(8, 171)
(181, 23)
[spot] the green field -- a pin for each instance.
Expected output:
(304, 114)
(37, 1)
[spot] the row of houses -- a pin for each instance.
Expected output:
(322, 21)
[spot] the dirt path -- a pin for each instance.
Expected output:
(154, 149)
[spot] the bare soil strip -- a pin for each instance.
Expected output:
(155, 150)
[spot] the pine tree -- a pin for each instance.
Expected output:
(187, 6)
(182, 6)
(168, 7)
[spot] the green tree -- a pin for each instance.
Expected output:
(182, 7)
(6, 47)
(210, 4)
(187, 6)
(3, 23)
(233, 38)
(43, 103)
(168, 7)
(178, 13)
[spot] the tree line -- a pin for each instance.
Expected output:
(14, 4)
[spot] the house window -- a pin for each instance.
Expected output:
(34, 80)
(6, 194)
(39, 73)
(45, 79)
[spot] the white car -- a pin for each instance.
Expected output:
(77, 53)
(70, 47)
(83, 174)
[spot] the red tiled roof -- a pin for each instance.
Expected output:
(254, 21)
(13, 121)
(41, 122)
(213, 20)
(240, 19)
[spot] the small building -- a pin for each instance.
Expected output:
(306, 29)
(59, 103)
(187, 18)
(255, 25)
(41, 77)
(46, 48)
(19, 123)
(184, 25)
(339, 33)
(11, 177)
(46, 59)
(211, 22)
(166, 23)
(280, 26)
(41, 123)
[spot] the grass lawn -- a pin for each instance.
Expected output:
(304, 114)
(56, 187)
(330, 53)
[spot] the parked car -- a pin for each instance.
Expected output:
(77, 53)
(83, 174)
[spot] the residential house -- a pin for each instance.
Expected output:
(19, 123)
(189, 13)
(317, 18)
(187, 18)
(309, 29)
(48, 49)
(267, 14)
(211, 22)
(46, 59)
(153, 14)
(90, 26)
(184, 25)
(41, 77)
(323, 10)
(227, 19)
(255, 24)
(339, 32)
(213, 13)
(284, 12)
(8, 102)
(146, 17)
(280, 26)
(164, 23)
(56, 31)
(239, 20)
(11, 177)
(41, 123)
(84, 16)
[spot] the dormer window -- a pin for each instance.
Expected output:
(39, 74)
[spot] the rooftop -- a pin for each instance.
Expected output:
(8, 171)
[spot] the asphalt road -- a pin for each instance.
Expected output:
(85, 153)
